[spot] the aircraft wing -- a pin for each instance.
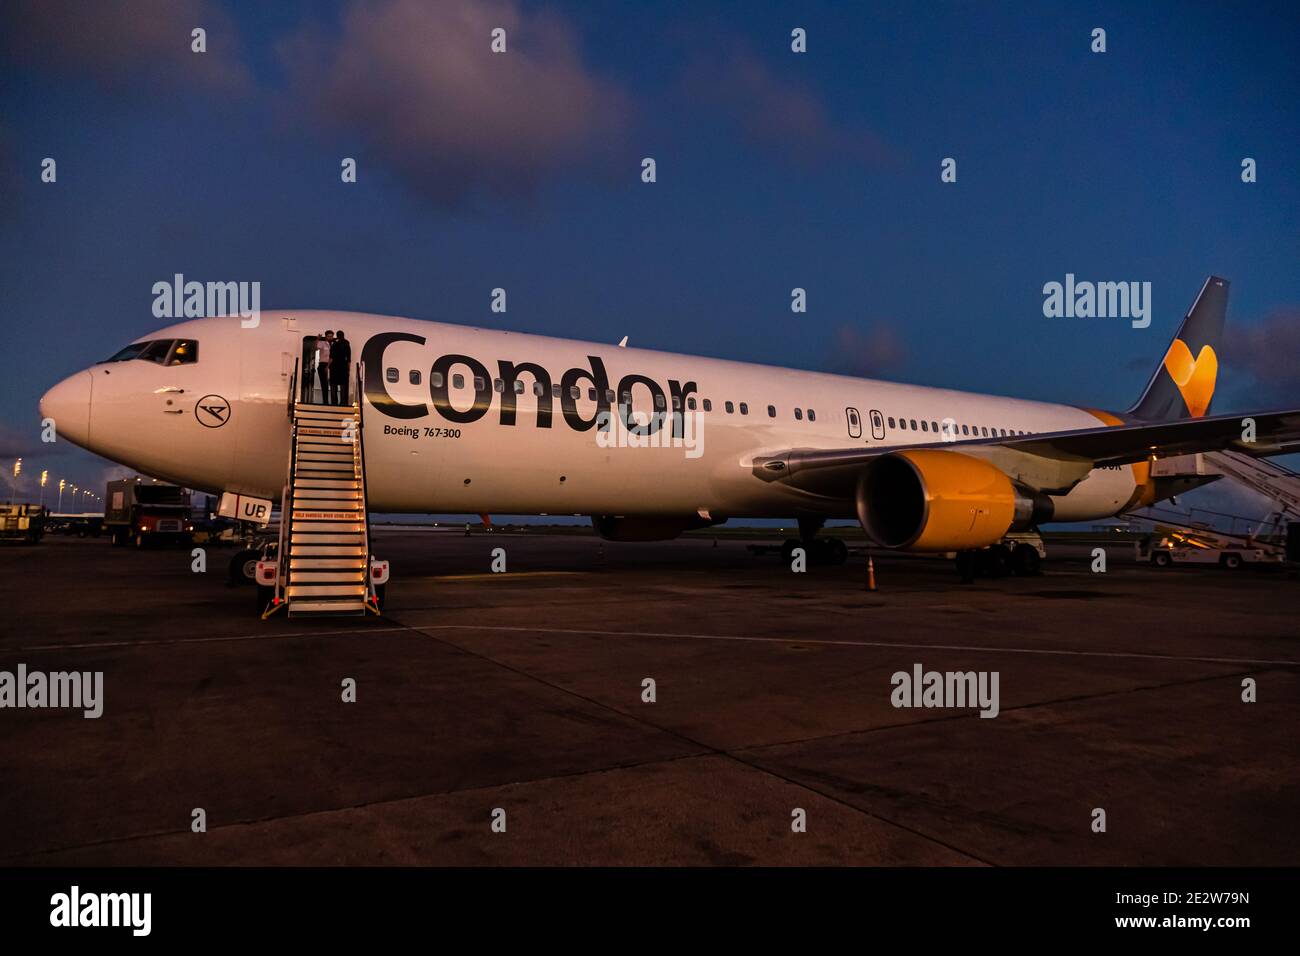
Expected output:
(1062, 458)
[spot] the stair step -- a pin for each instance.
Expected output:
(319, 436)
(345, 464)
(357, 590)
(313, 538)
(342, 527)
(354, 578)
(351, 509)
(314, 409)
(326, 494)
(314, 445)
(357, 563)
(328, 484)
(351, 550)
(325, 608)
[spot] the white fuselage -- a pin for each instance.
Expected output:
(146, 416)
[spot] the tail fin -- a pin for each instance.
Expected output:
(1183, 384)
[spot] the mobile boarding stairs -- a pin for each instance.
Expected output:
(322, 564)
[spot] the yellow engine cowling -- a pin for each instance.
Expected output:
(933, 500)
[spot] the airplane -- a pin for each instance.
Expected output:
(461, 420)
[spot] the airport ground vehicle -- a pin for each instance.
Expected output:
(1191, 547)
(80, 525)
(143, 511)
(22, 522)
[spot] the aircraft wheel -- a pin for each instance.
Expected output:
(243, 566)
(837, 552)
(997, 561)
(1025, 561)
(1231, 561)
(1161, 559)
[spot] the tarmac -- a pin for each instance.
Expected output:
(519, 698)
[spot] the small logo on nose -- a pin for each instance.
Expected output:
(212, 411)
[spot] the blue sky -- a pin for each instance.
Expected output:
(775, 170)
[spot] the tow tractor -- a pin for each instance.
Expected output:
(1195, 543)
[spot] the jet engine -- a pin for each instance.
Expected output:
(933, 500)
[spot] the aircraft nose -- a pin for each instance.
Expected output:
(68, 404)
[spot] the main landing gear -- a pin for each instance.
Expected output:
(818, 550)
(998, 561)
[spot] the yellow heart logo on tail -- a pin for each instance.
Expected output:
(1194, 377)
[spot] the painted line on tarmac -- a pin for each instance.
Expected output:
(879, 644)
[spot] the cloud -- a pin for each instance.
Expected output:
(124, 43)
(1268, 353)
(416, 85)
(775, 112)
(877, 352)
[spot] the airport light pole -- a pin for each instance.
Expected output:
(62, 483)
(45, 476)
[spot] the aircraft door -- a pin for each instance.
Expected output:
(854, 421)
(877, 425)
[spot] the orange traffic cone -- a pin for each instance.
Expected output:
(871, 574)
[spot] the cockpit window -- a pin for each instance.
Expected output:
(131, 351)
(184, 352)
(161, 351)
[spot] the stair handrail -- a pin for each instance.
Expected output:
(293, 390)
(365, 493)
(285, 542)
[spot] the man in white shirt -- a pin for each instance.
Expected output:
(323, 364)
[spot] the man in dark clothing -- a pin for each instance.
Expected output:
(341, 370)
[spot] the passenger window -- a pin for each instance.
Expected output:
(659, 401)
(458, 381)
(591, 394)
(690, 402)
(730, 408)
(923, 426)
(744, 408)
(985, 431)
(609, 396)
(575, 393)
(498, 385)
(771, 411)
(479, 383)
(519, 387)
(934, 426)
(414, 376)
(391, 376)
(891, 423)
(913, 425)
(812, 416)
(965, 430)
(435, 379)
(798, 414)
(627, 398)
(677, 403)
(708, 405)
(539, 390)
